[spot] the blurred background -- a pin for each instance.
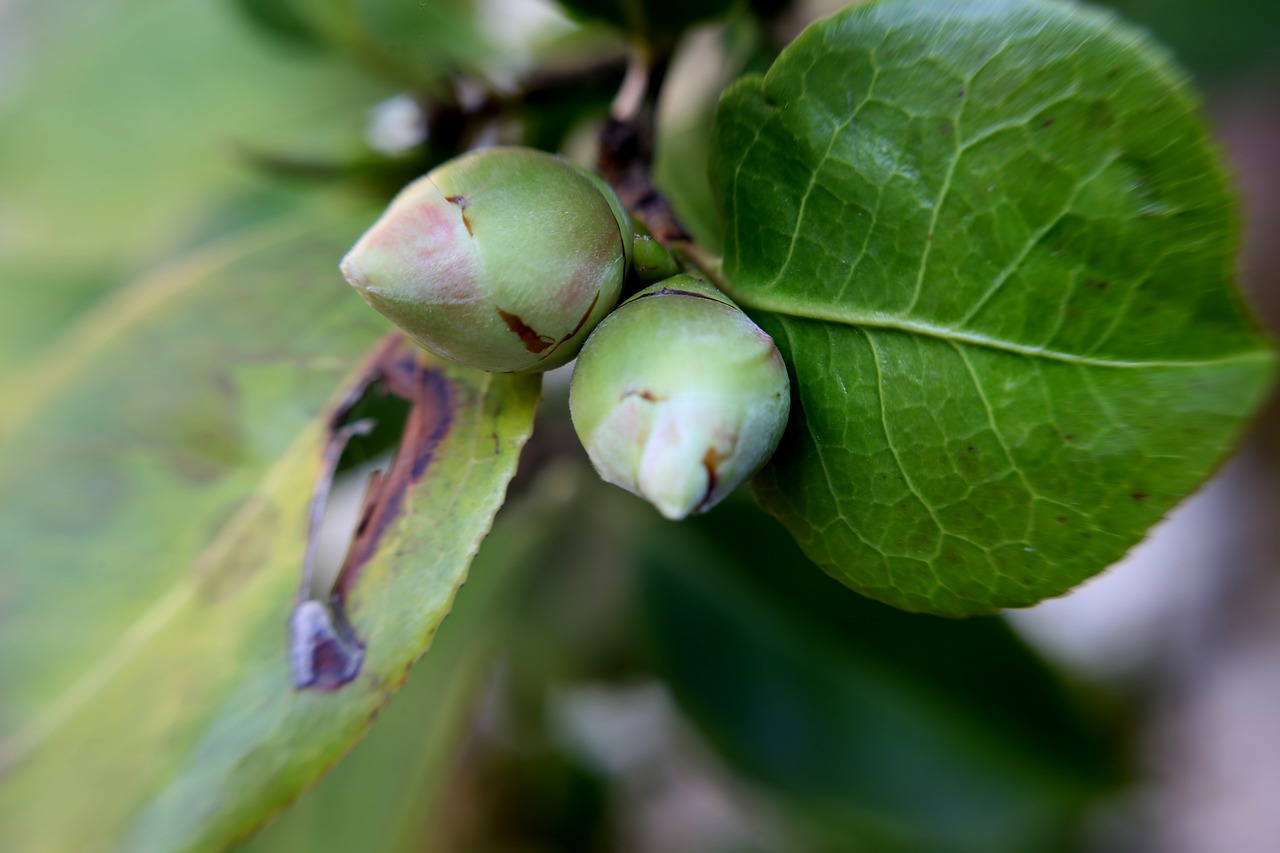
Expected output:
(644, 686)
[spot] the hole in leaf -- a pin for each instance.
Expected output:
(365, 458)
(382, 439)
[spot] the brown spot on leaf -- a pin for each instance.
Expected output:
(533, 342)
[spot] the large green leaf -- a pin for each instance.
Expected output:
(155, 473)
(997, 250)
(888, 731)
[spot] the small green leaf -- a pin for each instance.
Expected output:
(997, 249)
(886, 730)
(155, 474)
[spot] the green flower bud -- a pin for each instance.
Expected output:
(678, 397)
(502, 259)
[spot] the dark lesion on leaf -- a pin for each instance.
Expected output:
(325, 652)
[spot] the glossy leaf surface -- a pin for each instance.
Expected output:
(155, 473)
(997, 249)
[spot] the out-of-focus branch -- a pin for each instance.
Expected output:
(627, 147)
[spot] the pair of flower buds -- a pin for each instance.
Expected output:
(512, 260)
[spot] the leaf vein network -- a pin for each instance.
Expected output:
(1034, 240)
(948, 178)
(826, 472)
(813, 181)
(897, 458)
(999, 436)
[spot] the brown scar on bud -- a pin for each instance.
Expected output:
(461, 202)
(646, 395)
(582, 322)
(325, 653)
(711, 462)
(533, 342)
(674, 291)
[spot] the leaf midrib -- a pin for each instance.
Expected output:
(889, 322)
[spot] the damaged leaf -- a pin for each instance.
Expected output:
(155, 478)
(393, 793)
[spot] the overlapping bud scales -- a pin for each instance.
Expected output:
(503, 259)
(678, 397)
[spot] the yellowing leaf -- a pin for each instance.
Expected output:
(155, 476)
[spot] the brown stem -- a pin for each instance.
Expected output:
(627, 148)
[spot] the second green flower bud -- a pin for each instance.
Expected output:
(678, 397)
